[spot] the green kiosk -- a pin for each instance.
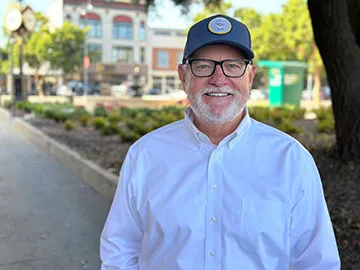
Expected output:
(286, 81)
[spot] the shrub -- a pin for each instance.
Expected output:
(129, 113)
(8, 104)
(100, 111)
(99, 122)
(326, 122)
(84, 119)
(23, 105)
(260, 114)
(114, 118)
(324, 113)
(299, 113)
(69, 125)
(287, 127)
(326, 125)
(109, 129)
(128, 136)
(78, 113)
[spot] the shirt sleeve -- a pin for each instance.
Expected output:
(120, 241)
(312, 239)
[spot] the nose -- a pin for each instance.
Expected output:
(218, 79)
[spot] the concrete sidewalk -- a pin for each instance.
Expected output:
(49, 218)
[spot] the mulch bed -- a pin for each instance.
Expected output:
(340, 181)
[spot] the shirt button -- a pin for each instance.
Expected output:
(214, 187)
(212, 253)
(213, 220)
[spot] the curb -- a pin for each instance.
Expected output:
(98, 178)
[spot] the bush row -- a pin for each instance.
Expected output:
(131, 124)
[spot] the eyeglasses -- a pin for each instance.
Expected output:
(232, 68)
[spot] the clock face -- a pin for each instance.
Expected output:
(29, 19)
(13, 19)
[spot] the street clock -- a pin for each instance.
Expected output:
(29, 18)
(12, 18)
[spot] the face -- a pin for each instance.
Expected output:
(217, 98)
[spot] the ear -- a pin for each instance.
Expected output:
(182, 75)
(252, 76)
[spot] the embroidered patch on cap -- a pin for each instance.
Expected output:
(220, 26)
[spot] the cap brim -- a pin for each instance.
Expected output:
(247, 52)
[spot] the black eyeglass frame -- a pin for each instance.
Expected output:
(220, 63)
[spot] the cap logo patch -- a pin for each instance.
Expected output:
(219, 26)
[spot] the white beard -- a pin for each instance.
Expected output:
(204, 112)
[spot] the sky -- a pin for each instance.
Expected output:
(165, 15)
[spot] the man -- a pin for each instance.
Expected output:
(218, 190)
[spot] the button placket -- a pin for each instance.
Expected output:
(213, 213)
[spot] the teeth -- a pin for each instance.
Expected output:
(217, 94)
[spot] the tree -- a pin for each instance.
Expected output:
(35, 50)
(62, 48)
(285, 36)
(212, 9)
(65, 48)
(336, 26)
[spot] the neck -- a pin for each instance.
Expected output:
(218, 131)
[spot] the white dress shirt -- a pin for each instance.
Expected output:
(255, 201)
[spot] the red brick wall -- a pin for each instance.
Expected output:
(173, 61)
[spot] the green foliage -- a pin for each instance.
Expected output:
(109, 129)
(115, 118)
(213, 8)
(24, 105)
(69, 125)
(326, 122)
(278, 117)
(129, 136)
(99, 122)
(8, 104)
(100, 111)
(84, 120)
(65, 48)
(36, 49)
(78, 113)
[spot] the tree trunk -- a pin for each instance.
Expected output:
(38, 84)
(337, 43)
(317, 87)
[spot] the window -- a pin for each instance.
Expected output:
(95, 52)
(179, 57)
(181, 34)
(162, 33)
(163, 59)
(123, 27)
(142, 33)
(142, 55)
(170, 82)
(93, 21)
(122, 54)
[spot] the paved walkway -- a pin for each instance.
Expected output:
(49, 218)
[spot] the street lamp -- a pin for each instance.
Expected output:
(86, 63)
(19, 21)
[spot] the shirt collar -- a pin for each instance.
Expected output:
(231, 140)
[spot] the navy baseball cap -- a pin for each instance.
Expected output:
(218, 29)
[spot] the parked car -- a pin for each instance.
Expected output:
(64, 90)
(77, 88)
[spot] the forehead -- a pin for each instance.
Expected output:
(218, 51)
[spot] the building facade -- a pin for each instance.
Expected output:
(116, 40)
(167, 47)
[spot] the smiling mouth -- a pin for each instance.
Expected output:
(218, 94)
